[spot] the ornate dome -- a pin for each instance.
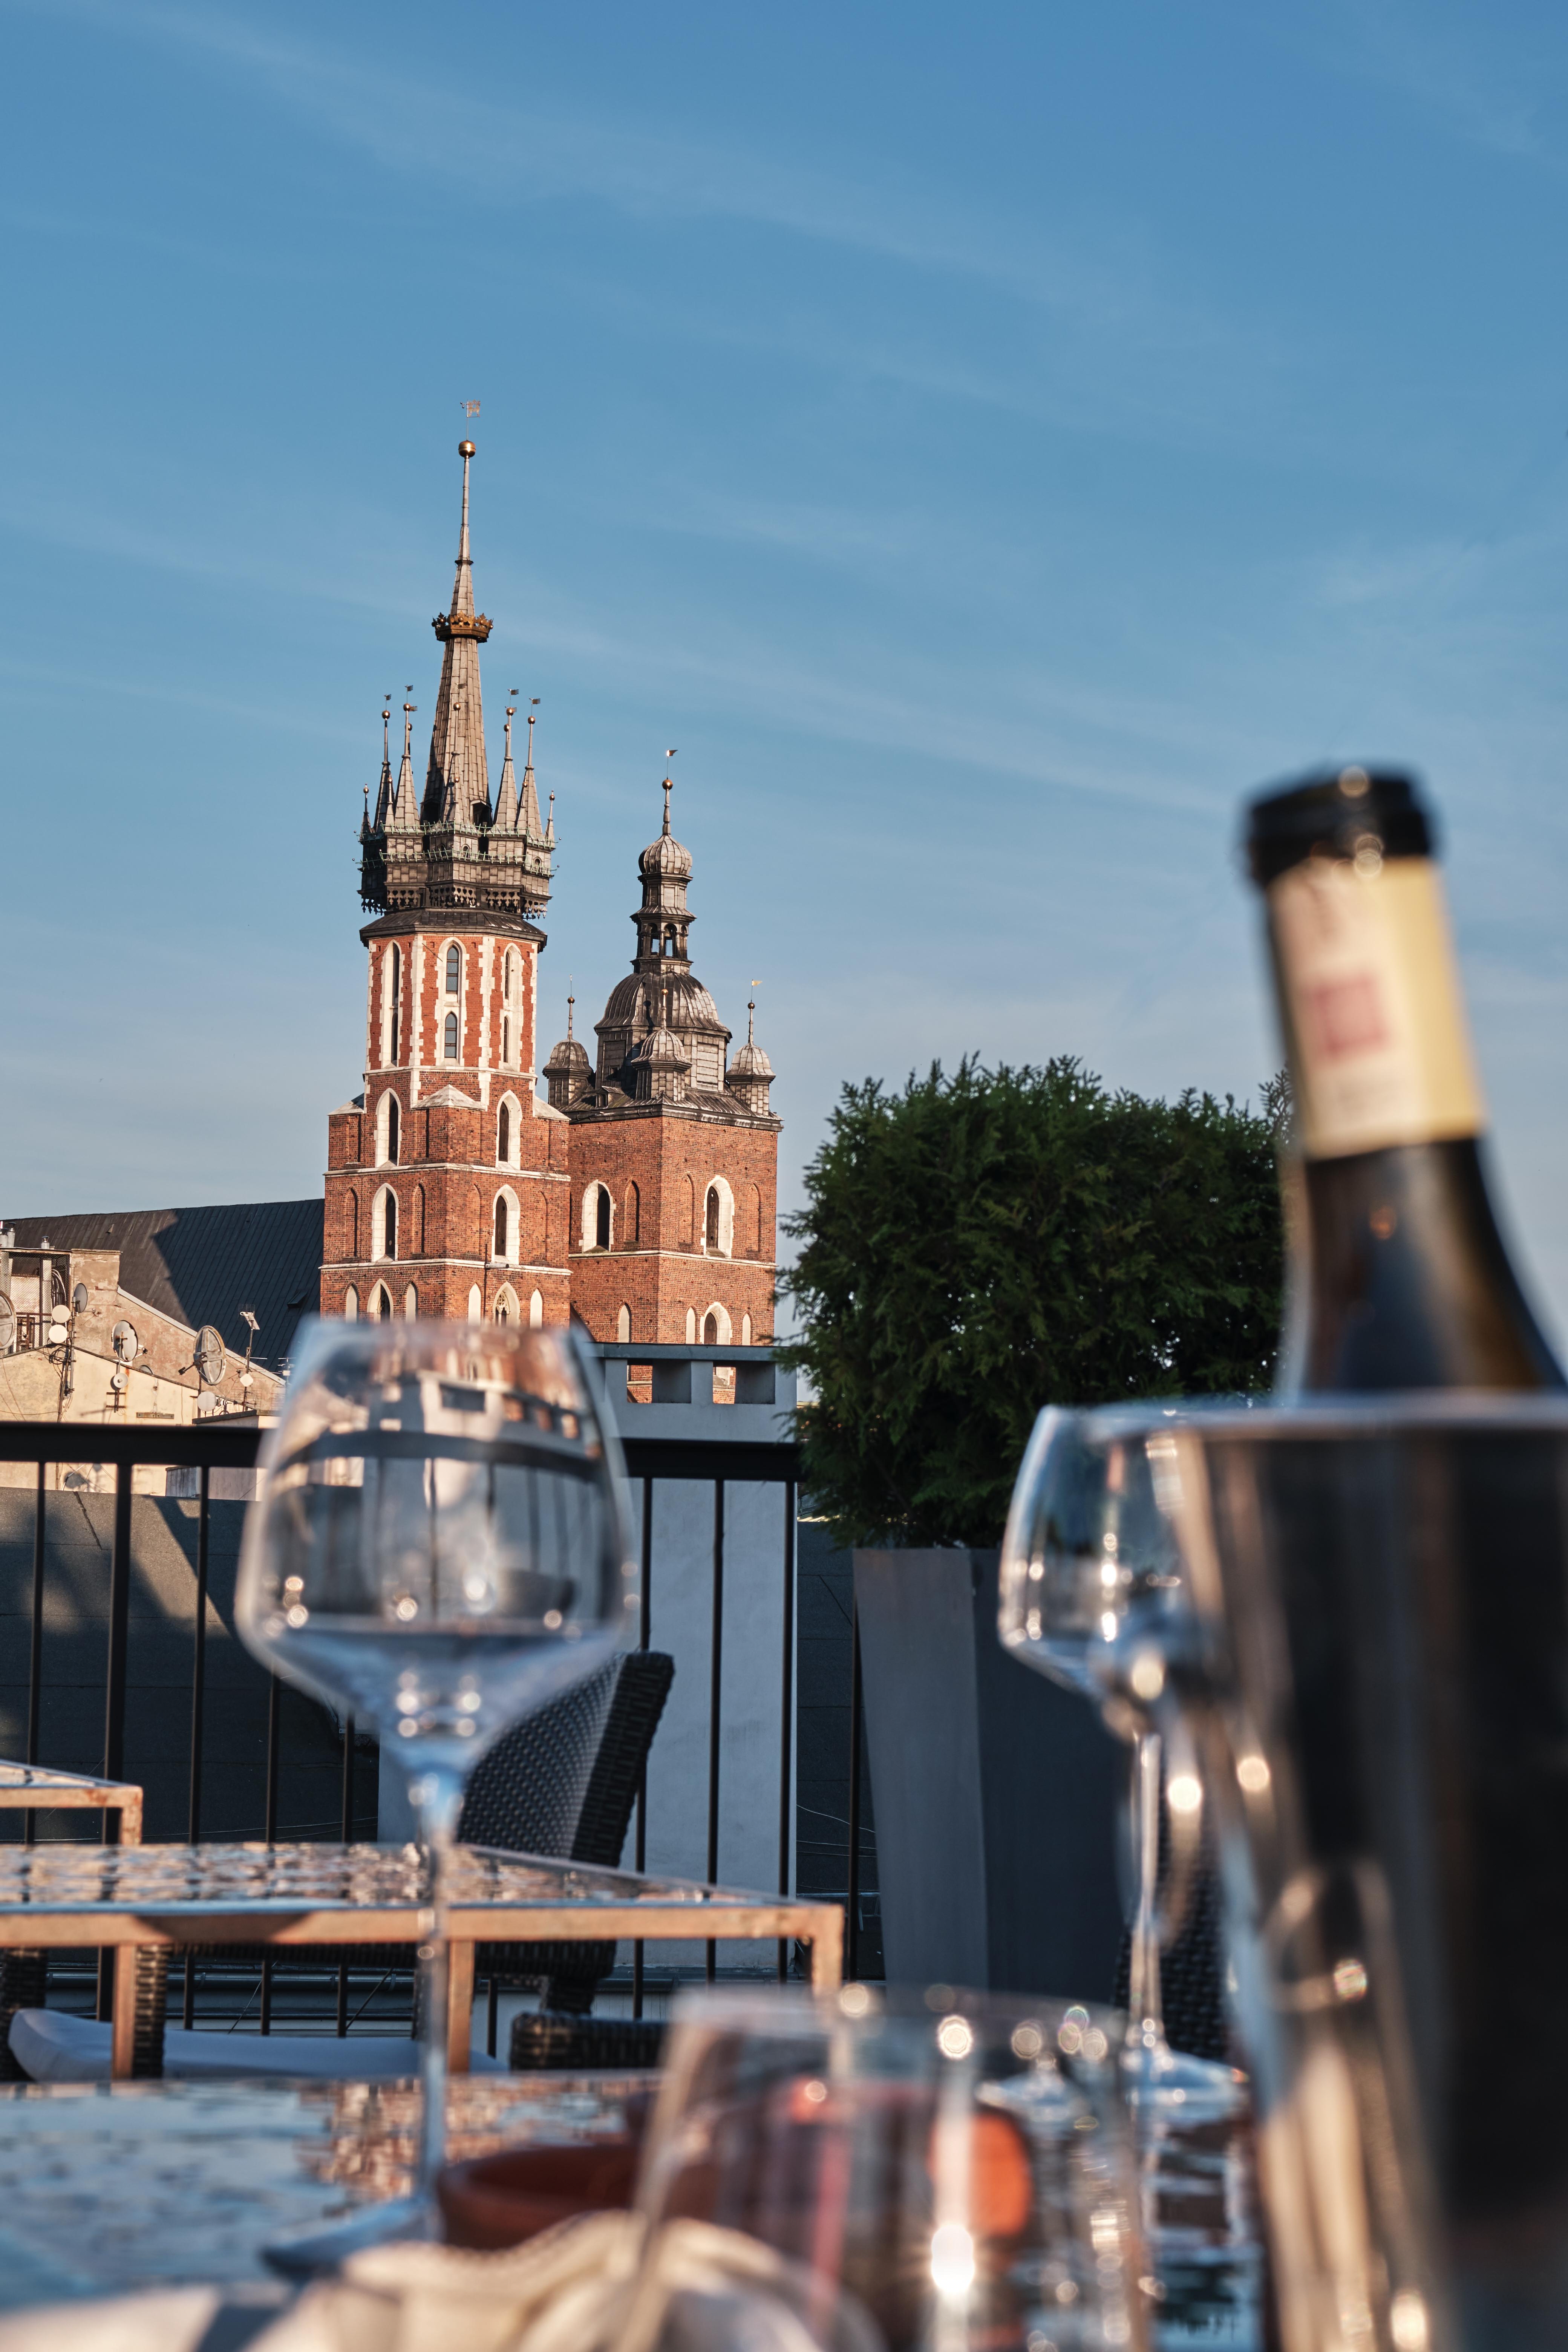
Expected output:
(568, 1056)
(751, 1062)
(691, 1006)
(666, 857)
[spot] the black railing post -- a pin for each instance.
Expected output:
(348, 1831)
(114, 1696)
(273, 1705)
(852, 1934)
(199, 1658)
(35, 1648)
(715, 1697)
(118, 1630)
(644, 1634)
(786, 1713)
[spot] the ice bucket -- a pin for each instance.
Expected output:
(1376, 1671)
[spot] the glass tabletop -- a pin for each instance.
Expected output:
(105, 2187)
(63, 1877)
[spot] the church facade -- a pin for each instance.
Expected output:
(638, 1199)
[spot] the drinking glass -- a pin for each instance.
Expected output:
(438, 1549)
(1091, 1594)
(861, 2172)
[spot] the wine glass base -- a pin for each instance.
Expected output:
(312, 2254)
(1161, 2081)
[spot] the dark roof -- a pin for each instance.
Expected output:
(202, 1265)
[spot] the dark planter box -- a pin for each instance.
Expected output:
(995, 1791)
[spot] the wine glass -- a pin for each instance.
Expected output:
(439, 1548)
(866, 2172)
(1091, 1594)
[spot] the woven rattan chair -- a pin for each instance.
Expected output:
(561, 1783)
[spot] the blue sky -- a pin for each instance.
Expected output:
(987, 441)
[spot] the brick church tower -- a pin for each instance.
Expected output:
(674, 1155)
(447, 1181)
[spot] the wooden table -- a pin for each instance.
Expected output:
(60, 1896)
(34, 1788)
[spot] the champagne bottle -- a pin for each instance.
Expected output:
(1398, 1275)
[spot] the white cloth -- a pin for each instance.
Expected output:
(54, 2048)
(576, 2288)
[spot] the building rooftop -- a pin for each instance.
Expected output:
(202, 1265)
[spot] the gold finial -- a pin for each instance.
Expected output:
(669, 788)
(752, 1017)
(571, 1001)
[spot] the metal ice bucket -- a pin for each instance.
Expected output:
(1375, 1669)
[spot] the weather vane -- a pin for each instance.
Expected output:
(469, 407)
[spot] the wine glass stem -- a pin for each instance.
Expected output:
(1145, 2025)
(437, 1799)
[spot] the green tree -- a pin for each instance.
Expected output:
(990, 1242)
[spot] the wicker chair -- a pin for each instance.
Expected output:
(563, 1782)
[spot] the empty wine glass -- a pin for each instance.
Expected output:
(861, 2172)
(438, 1549)
(1091, 1594)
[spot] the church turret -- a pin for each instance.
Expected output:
(750, 1074)
(447, 1185)
(568, 1072)
(453, 850)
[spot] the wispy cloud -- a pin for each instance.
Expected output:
(1466, 66)
(1103, 290)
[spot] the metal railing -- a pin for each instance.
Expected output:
(688, 1439)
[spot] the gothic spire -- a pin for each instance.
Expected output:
(405, 813)
(384, 791)
(528, 819)
(506, 791)
(457, 782)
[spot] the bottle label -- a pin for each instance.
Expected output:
(1376, 1036)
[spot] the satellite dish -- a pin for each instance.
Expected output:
(209, 1359)
(117, 1379)
(126, 1343)
(7, 1325)
(79, 1298)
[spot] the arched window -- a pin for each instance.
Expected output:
(350, 1305)
(454, 970)
(535, 1312)
(504, 1133)
(507, 974)
(451, 1033)
(745, 1330)
(411, 1302)
(393, 1124)
(500, 1229)
(631, 1231)
(381, 1305)
(505, 1306)
(416, 1224)
(389, 1225)
(690, 1326)
(624, 1324)
(711, 1220)
(710, 1330)
(476, 1304)
(602, 1218)
(351, 1236)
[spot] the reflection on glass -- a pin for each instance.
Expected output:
(1091, 1594)
(870, 2175)
(439, 1548)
